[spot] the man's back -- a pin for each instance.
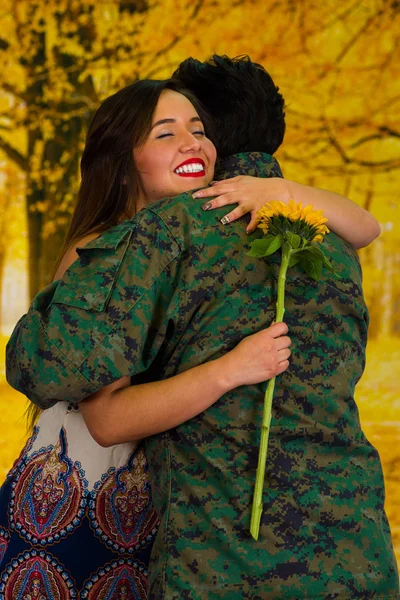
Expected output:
(323, 504)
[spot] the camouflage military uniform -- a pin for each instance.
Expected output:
(172, 289)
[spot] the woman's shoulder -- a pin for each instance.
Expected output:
(71, 255)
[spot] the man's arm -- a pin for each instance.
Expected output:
(35, 367)
(104, 320)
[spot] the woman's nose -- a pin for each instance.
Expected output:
(190, 143)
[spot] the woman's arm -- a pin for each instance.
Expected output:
(354, 224)
(120, 412)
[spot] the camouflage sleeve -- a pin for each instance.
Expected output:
(104, 320)
(36, 367)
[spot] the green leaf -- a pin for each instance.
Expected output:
(325, 261)
(315, 253)
(265, 247)
(293, 239)
(313, 267)
(258, 248)
(328, 265)
(310, 251)
(274, 245)
(293, 260)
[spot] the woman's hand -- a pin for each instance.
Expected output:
(258, 357)
(250, 193)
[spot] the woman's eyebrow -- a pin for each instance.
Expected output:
(163, 121)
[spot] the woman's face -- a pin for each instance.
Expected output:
(177, 156)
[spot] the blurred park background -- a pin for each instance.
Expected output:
(337, 65)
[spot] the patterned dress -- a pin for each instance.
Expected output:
(76, 519)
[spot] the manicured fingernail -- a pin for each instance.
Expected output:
(214, 182)
(197, 194)
(207, 206)
(225, 220)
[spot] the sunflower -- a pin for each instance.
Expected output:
(294, 231)
(277, 218)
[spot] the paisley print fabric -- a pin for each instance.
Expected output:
(121, 512)
(48, 496)
(36, 576)
(76, 520)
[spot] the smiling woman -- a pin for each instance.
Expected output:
(177, 156)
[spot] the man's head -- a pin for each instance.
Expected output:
(242, 100)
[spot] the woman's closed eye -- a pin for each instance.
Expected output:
(164, 134)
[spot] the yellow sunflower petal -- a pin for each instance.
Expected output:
(293, 211)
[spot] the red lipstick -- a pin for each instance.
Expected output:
(192, 161)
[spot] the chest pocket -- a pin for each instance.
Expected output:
(90, 286)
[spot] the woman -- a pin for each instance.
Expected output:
(65, 492)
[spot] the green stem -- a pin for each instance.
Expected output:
(266, 421)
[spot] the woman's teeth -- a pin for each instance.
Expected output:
(191, 168)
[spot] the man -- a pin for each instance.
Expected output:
(323, 532)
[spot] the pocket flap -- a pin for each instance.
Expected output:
(88, 283)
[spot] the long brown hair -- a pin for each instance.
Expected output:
(109, 178)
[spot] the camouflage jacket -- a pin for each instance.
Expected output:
(172, 289)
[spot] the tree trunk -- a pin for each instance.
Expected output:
(51, 191)
(35, 221)
(2, 257)
(35, 196)
(62, 195)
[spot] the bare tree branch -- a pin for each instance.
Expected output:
(351, 168)
(383, 133)
(164, 50)
(302, 28)
(341, 16)
(196, 9)
(168, 47)
(391, 132)
(156, 70)
(13, 154)
(353, 40)
(339, 149)
(387, 104)
(369, 194)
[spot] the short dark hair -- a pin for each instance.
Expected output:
(242, 100)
